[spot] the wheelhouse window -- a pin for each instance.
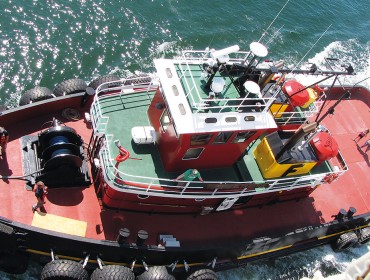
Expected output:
(200, 139)
(222, 137)
(241, 137)
(165, 120)
(193, 153)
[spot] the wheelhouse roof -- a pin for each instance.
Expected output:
(187, 120)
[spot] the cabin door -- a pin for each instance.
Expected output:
(227, 203)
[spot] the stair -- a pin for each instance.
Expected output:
(169, 240)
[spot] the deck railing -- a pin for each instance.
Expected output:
(197, 101)
(155, 186)
(169, 187)
(121, 87)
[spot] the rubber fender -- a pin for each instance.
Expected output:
(203, 274)
(112, 272)
(64, 269)
(7, 239)
(105, 79)
(156, 273)
(14, 263)
(364, 235)
(70, 86)
(346, 240)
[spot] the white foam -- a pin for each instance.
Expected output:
(348, 52)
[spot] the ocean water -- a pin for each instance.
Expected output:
(43, 42)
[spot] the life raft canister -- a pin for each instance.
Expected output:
(324, 146)
(298, 96)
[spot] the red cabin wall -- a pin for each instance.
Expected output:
(172, 147)
(167, 142)
(155, 112)
(213, 155)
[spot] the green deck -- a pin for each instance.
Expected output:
(229, 92)
(127, 111)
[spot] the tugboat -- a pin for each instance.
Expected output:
(220, 158)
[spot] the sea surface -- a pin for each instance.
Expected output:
(43, 42)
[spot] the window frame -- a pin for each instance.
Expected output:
(198, 155)
(250, 134)
(198, 142)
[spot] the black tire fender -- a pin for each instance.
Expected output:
(346, 240)
(156, 273)
(36, 94)
(16, 263)
(203, 274)
(105, 79)
(112, 272)
(138, 79)
(364, 236)
(25, 98)
(70, 86)
(7, 239)
(64, 269)
(41, 93)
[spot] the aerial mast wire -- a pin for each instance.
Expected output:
(296, 67)
(265, 32)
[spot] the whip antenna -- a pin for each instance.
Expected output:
(274, 35)
(265, 32)
(295, 67)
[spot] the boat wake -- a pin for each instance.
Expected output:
(297, 266)
(348, 52)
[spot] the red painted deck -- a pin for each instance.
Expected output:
(352, 189)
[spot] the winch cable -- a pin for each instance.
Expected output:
(21, 177)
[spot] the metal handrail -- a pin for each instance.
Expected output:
(169, 187)
(203, 103)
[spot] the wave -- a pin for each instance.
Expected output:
(296, 266)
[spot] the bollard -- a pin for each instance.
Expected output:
(122, 235)
(142, 235)
(341, 214)
(351, 212)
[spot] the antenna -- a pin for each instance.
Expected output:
(265, 32)
(274, 35)
(295, 67)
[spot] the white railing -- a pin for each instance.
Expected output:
(202, 56)
(201, 190)
(200, 103)
(121, 87)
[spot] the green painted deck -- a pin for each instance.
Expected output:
(127, 111)
(187, 82)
